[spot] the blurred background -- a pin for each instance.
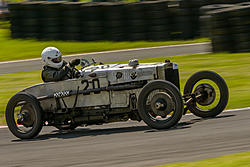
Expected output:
(226, 23)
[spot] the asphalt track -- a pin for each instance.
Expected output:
(112, 56)
(130, 144)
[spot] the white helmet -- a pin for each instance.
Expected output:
(52, 57)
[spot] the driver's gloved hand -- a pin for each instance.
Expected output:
(77, 74)
(74, 62)
(67, 68)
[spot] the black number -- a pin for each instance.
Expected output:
(95, 83)
(87, 84)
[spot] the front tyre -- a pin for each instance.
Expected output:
(210, 93)
(24, 116)
(160, 104)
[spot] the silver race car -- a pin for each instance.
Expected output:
(116, 92)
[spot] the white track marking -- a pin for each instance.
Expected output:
(112, 51)
(230, 110)
(238, 109)
(3, 126)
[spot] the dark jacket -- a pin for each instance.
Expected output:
(50, 74)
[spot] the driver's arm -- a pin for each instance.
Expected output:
(52, 75)
(60, 75)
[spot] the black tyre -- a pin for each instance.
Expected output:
(160, 104)
(24, 116)
(210, 91)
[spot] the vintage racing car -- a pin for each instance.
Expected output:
(116, 92)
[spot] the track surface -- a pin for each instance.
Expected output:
(130, 144)
(112, 56)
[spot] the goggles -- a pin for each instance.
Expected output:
(57, 60)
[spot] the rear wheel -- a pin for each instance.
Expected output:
(160, 104)
(24, 116)
(209, 92)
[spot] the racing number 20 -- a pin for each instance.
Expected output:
(95, 84)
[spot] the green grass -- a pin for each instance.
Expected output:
(234, 160)
(17, 49)
(12, 83)
(234, 68)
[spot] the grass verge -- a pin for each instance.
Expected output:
(234, 160)
(17, 49)
(234, 68)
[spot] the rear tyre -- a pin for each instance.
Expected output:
(160, 104)
(211, 91)
(24, 116)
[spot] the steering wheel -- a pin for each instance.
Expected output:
(75, 72)
(84, 63)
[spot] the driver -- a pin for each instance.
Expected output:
(56, 69)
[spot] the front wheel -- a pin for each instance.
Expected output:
(209, 92)
(24, 116)
(160, 104)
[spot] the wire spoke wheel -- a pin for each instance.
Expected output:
(160, 104)
(23, 116)
(210, 92)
